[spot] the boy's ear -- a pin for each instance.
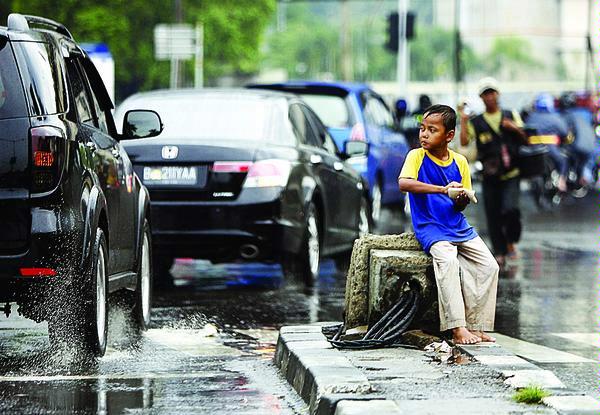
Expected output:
(449, 135)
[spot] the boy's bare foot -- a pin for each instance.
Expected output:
(460, 335)
(484, 336)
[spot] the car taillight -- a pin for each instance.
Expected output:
(231, 166)
(47, 143)
(268, 173)
(358, 132)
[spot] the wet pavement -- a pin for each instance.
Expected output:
(211, 340)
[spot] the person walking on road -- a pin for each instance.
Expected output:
(438, 181)
(498, 134)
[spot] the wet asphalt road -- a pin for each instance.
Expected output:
(210, 344)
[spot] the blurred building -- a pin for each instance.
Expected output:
(556, 31)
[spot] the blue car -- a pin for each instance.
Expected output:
(354, 111)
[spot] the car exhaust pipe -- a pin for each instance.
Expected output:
(249, 251)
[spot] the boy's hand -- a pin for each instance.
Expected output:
(452, 184)
(461, 201)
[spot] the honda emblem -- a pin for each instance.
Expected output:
(170, 152)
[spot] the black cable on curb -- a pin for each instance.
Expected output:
(386, 331)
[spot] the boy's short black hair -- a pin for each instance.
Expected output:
(447, 113)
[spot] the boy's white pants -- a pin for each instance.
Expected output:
(467, 298)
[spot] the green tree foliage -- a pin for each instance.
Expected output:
(508, 56)
(233, 33)
(432, 55)
(305, 51)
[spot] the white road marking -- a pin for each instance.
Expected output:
(590, 339)
(537, 353)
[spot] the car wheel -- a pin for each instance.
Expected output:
(305, 265)
(82, 317)
(143, 294)
(95, 312)
(376, 196)
(364, 218)
(313, 247)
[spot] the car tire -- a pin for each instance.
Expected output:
(305, 265)
(142, 304)
(82, 317)
(365, 218)
(376, 206)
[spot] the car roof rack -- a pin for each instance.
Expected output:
(18, 21)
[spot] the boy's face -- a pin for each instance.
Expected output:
(433, 135)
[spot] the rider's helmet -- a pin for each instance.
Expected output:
(544, 102)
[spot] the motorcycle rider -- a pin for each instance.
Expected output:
(552, 130)
(579, 121)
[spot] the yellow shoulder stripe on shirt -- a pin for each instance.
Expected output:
(412, 164)
(464, 169)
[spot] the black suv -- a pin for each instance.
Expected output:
(74, 216)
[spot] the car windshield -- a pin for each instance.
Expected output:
(332, 109)
(220, 117)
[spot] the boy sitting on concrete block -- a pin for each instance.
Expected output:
(467, 302)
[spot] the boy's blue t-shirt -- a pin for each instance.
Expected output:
(433, 215)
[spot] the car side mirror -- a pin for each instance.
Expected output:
(354, 148)
(141, 124)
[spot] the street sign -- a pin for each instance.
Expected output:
(174, 41)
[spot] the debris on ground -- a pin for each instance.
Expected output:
(444, 353)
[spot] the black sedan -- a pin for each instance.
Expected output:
(250, 175)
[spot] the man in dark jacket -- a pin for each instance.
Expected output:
(498, 134)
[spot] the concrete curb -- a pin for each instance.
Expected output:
(329, 383)
(314, 368)
(519, 373)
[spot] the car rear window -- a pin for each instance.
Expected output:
(331, 109)
(218, 117)
(43, 77)
(12, 99)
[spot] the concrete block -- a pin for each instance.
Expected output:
(467, 406)
(328, 402)
(357, 281)
(311, 344)
(348, 407)
(300, 329)
(504, 362)
(390, 270)
(573, 404)
(332, 380)
(523, 378)
(484, 349)
(302, 337)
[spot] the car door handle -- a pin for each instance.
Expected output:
(316, 159)
(91, 145)
(115, 152)
(338, 166)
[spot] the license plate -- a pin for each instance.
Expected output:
(170, 175)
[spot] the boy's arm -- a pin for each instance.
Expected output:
(415, 186)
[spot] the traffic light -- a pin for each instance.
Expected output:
(393, 30)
